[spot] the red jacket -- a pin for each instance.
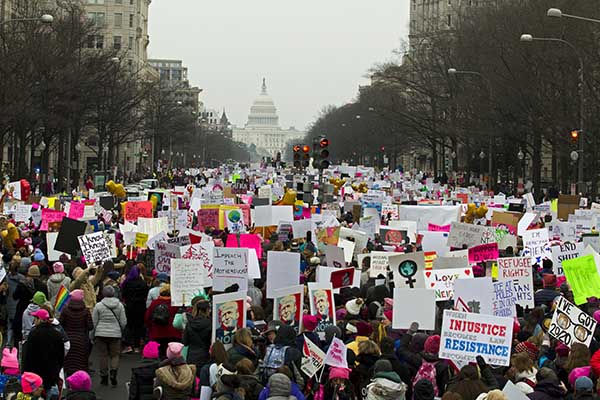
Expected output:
(160, 331)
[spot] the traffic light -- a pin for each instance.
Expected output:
(322, 154)
(305, 156)
(574, 136)
(297, 156)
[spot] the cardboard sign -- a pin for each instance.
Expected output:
(283, 270)
(567, 205)
(483, 252)
(565, 251)
(571, 325)
(230, 266)
(187, 279)
(202, 253)
(474, 295)
(94, 247)
(465, 234)
(66, 240)
(408, 270)
(582, 275)
(466, 335)
(518, 271)
(422, 309)
(442, 281)
(162, 256)
(535, 243)
(136, 209)
(379, 263)
(335, 257)
(360, 238)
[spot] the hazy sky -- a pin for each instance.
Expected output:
(312, 52)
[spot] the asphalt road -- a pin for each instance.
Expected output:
(127, 362)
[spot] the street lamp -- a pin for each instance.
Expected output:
(44, 19)
(530, 38)
(482, 155)
(358, 117)
(520, 155)
(557, 13)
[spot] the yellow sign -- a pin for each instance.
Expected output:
(140, 240)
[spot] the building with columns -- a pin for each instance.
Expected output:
(263, 130)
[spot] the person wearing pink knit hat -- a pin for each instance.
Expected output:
(141, 383)
(31, 384)
(338, 385)
(175, 377)
(56, 280)
(80, 385)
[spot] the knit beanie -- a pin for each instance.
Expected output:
(25, 262)
(174, 350)
(58, 267)
(151, 350)
(279, 385)
(80, 380)
(432, 344)
(10, 358)
(77, 295)
(108, 291)
(332, 331)
(578, 373)
(353, 306)
(364, 328)
(340, 373)
(529, 348)
(39, 298)
(30, 382)
(382, 366)
(38, 255)
(310, 322)
(549, 281)
(33, 271)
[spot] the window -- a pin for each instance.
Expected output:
(130, 47)
(130, 2)
(117, 42)
(131, 20)
(97, 18)
(95, 41)
(118, 1)
(449, 20)
(95, 1)
(118, 20)
(414, 4)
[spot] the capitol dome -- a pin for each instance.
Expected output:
(263, 113)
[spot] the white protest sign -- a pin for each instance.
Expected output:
(335, 256)
(422, 309)
(435, 241)
(466, 335)
(564, 231)
(379, 263)
(360, 238)
(23, 212)
(565, 251)
(535, 243)
(409, 226)
(512, 392)
(159, 237)
(53, 255)
(283, 270)
(202, 254)
(187, 278)
(324, 276)
(313, 358)
(518, 270)
(465, 234)
(336, 354)
(152, 226)
(442, 281)
(450, 262)
(162, 256)
(474, 295)
(301, 227)
(230, 266)
(504, 301)
(348, 248)
(570, 324)
(524, 222)
(424, 215)
(408, 270)
(94, 247)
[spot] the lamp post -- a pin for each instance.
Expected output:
(557, 13)
(454, 71)
(44, 19)
(530, 38)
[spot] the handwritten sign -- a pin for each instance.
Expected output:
(336, 354)
(467, 335)
(442, 281)
(438, 228)
(230, 266)
(518, 271)
(208, 218)
(202, 253)
(503, 304)
(140, 240)
(95, 247)
(379, 263)
(582, 275)
(535, 243)
(164, 252)
(136, 209)
(565, 251)
(465, 234)
(570, 324)
(483, 252)
(22, 212)
(76, 210)
(50, 216)
(187, 279)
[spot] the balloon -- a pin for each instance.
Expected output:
(289, 198)
(25, 189)
(337, 183)
(116, 189)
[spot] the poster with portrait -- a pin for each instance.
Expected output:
(229, 315)
(287, 306)
(322, 305)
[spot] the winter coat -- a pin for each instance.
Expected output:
(161, 331)
(11, 303)
(386, 386)
(88, 285)
(402, 370)
(43, 353)
(522, 379)
(54, 284)
(361, 375)
(134, 294)
(141, 386)
(80, 395)
(197, 336)
(23, 295)
(545, 296)
(153, 294)
(237, 352)
(109, 318)
(547, 389)
(296, 393)
(177, 381)
(27, 319)
(252, 385)
(77, 322)
(443, 374)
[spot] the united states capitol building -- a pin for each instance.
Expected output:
(262, 129)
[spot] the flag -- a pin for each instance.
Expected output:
(62, 297)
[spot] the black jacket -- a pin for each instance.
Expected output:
(238, 352)
(80, 395)
(361, 375)
(251, 385)
(402, 370)
(197, 336)
(547, 389)
(141, 386)
(134, 294)
(44, 353)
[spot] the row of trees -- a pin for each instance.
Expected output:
(522, 101)
(56, 86)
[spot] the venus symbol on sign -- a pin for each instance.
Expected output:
(408, 269)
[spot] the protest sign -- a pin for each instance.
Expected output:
(483, 252)
(466, 335)
(328, 235)
(53, 255)
(435, 242)
(313, 358)
(141, 239)
(348, 248)
(335, 256)
(229, 315)
(342, 277)
(76, 210)
(135, 209)
(288, 306)
(421, 310)
(503, 304)
(390, 210)
(442, 281)
(474, 295)
(245, 240)
(22, 212)
(326, 274)
(424, 215)
(336, 354)
(410, 227)
(301, 227)
(187, 278)
(565, 251)
(518, 271)
(181, 240)
(162, 256)
(360, 238)
(438, 228)
(208, 218)
(570, 324)
(49, 216)
(230, 266)
(235, 221)
(392, 236)
(379, 263)
(94, 247)
(322, 304)
(462, 234)
(159, 237)
(283, 270)
(408, 269)
(448, 262)
(582, 275)
(535, 243)
(66, 240)
(203, 254)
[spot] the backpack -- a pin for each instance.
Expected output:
(161, 315)
(427, 371)
(273, 360)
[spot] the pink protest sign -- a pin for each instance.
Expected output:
(136, 209)
(208, 218)
(483, 252)
(248, 241)
(438, 228)
(76, 210)
(49, 216)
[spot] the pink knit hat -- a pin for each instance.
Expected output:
(174, 350)
(30, 382)
(58, 267)
(578, 373)
(336, 372)
(80, 380)
(151, 350)
(310, 322)
(432, 344)
(10, 358)
(77, 295)
(596, 315)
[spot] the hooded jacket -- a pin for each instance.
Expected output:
(27, 322)
(523, 377)
(141, 386)
(54, 284)
(176, 379)
(386, 386)
(11, 304)
(197, 336)
(109, 318)
(547, 389)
